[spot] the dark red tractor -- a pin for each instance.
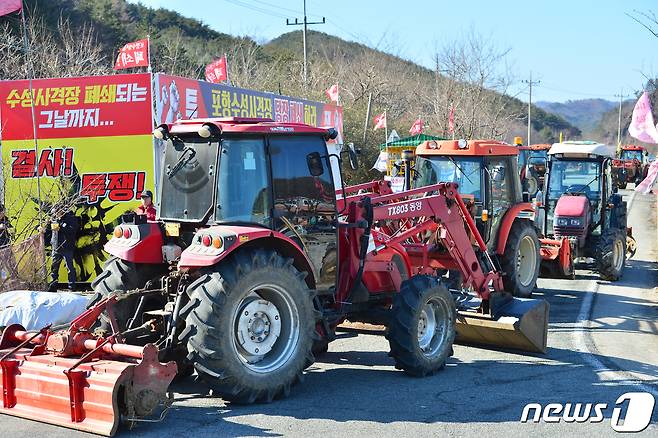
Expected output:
(631, 166)
(255, 259)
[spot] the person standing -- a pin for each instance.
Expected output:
(146, 209)
(62, 240)
(5, 227)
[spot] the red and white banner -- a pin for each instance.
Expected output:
(417, 127)
(9, 6)
(332, 93)
(380, 121)
(642, 125)
(451, 119)
(135, 54)
(216, 71)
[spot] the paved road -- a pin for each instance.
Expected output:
(602, 343)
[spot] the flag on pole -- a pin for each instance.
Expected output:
(417, 127)
(216, 71)
(9, 6)
(642, 124)
(135, 54)
(451, 119)
(332, 93)
(380, 121)
(381, 162)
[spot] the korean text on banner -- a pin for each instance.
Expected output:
(135, 54)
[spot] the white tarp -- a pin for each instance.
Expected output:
(34, 310)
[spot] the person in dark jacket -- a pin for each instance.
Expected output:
(5, 227)
(62, 240)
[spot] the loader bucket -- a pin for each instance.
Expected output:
(517, 324)
(92, 396)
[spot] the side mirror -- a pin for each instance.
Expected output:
(352, 153)
(314, 163)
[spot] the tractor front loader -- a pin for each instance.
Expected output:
(254, 261)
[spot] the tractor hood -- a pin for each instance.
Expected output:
(571, 206)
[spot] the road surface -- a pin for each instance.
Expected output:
(603, 342)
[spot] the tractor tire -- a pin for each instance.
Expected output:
(610, 254)
(233, 308)
(421, 330)
(119, 275)
(521, 260)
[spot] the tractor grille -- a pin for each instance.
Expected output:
(566, 231)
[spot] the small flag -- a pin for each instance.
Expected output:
(216, 71)
(332, 93)
(380, 121)
(9, 6)
(381, 162)
(135, 54)
(417, 127)
(451, 119)
(642, 127)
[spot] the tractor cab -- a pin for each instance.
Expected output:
(484, 170)
(232, 175)
(632, 152)
(580, 182)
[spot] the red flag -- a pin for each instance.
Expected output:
(332, 93)
(451, 119)
(380, 121)
(417, 127)
(216, 71)
(135, 54)
(9, 6)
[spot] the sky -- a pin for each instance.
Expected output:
(577, 49)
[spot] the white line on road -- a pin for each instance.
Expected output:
(580, 343)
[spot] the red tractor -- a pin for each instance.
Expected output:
(631, 166)
(252, 264)
(581, 204)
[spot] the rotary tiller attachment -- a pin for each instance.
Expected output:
(74, 379)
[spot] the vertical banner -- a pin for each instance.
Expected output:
(95, 149)
(179, 98)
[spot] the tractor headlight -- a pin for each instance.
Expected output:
(562, 222)
(576, 222)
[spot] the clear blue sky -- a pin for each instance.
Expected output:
(577, 48)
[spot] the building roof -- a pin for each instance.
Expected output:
(475, 148)
(412, 141)
(582, 149)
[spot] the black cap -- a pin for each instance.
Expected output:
(147, 194)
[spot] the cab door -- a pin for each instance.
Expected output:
(304, 203)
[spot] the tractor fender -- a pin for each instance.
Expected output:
(138, 243)
(521, 210)
(231, 238)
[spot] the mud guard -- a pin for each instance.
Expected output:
(506, 225)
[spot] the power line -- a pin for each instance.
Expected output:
(255, 8)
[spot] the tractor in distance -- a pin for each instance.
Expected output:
(631, 166)
(580, 202)
(254, 260)
(532, 167)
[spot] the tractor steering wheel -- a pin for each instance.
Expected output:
(575, 189)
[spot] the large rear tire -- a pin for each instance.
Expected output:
(250, 324)
(521, 259)
(421, 330)
(610, 254)
(117, 276)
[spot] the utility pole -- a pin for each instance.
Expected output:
(621, 99)
(304, 23)
(530, 83)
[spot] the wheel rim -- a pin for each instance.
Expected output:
(432, 326)
(618, 255)
(526, 260)
(266, 328)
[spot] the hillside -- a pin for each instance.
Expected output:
(183, 46)
(583, 113)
